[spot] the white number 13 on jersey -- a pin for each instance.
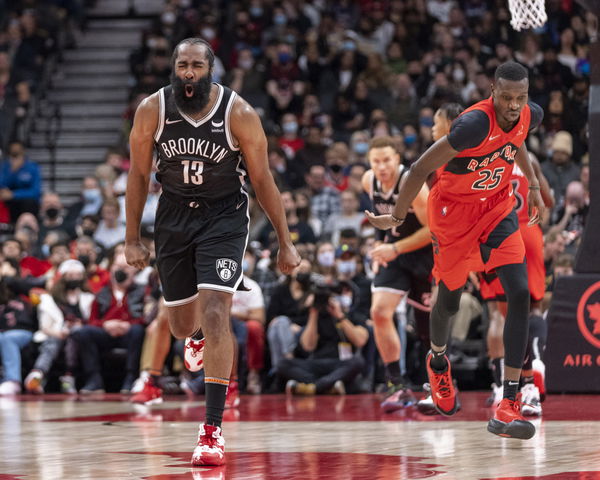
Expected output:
(192, 171)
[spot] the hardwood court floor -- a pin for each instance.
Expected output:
(54, 437)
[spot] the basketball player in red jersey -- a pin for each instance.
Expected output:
(474, 227)
(493, 293)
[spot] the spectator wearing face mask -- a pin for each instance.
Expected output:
(359, 146)
(325, 256)
(20, 182)
(87, 226)
(62, 311)
(349, 268)
(90, 202)
(86, 251)
(247, 79)
(52, 217)
(290, 141)
(336, 160)
(116, 321)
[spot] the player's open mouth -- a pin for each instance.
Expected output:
(189, 90)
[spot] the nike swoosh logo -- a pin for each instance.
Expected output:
(217, 124)
(493, 138)
(169, 122)
(239, 205)
(513, 383)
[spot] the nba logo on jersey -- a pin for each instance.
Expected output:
(226, 268)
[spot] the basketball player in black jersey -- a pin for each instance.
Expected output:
(205, 137)
(404, 259)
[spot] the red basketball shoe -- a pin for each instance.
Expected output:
(232, 400)
(442, 388)
(508, 421)
(193, 354)
(211, 447)
(149, 395)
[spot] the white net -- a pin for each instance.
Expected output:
(527, 13)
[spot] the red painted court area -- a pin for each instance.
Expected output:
(351, 408)
(275, 437)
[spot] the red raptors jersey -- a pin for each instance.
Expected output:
(485, 170)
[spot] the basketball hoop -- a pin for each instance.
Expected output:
(527, 13)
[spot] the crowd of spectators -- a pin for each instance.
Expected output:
(31, 33)
(326, 77)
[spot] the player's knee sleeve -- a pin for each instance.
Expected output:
(446, 305)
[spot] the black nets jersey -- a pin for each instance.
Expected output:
(383, 204)
(198, 159)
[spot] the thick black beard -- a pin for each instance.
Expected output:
(198, 101)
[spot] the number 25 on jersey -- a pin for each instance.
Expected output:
(192, 171)
(488, 179)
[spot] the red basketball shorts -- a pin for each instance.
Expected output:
(473, 236)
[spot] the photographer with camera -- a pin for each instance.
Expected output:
(331, 337)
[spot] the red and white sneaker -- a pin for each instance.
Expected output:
(150, 394)
(442, 388)
(539, 377)
(193, 354)
(211, 447)
(232, 400)
(508, 421)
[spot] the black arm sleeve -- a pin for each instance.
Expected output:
(469, 130)
(537, 115)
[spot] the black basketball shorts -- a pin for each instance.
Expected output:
(408, 272)
(200, 248)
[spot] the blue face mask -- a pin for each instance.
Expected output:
(426, 122)
(256, 11)
(92, 195)
(290, 127)
(349, 46)
(245, 265)
(410, 139)
(284, 57)
(361, 148)
(280, 19)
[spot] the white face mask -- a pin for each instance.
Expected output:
(345, 301)
(208, 33)
(326, 259)
(168, 18)
(347, 267)
(458, 75)
(246, 64)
